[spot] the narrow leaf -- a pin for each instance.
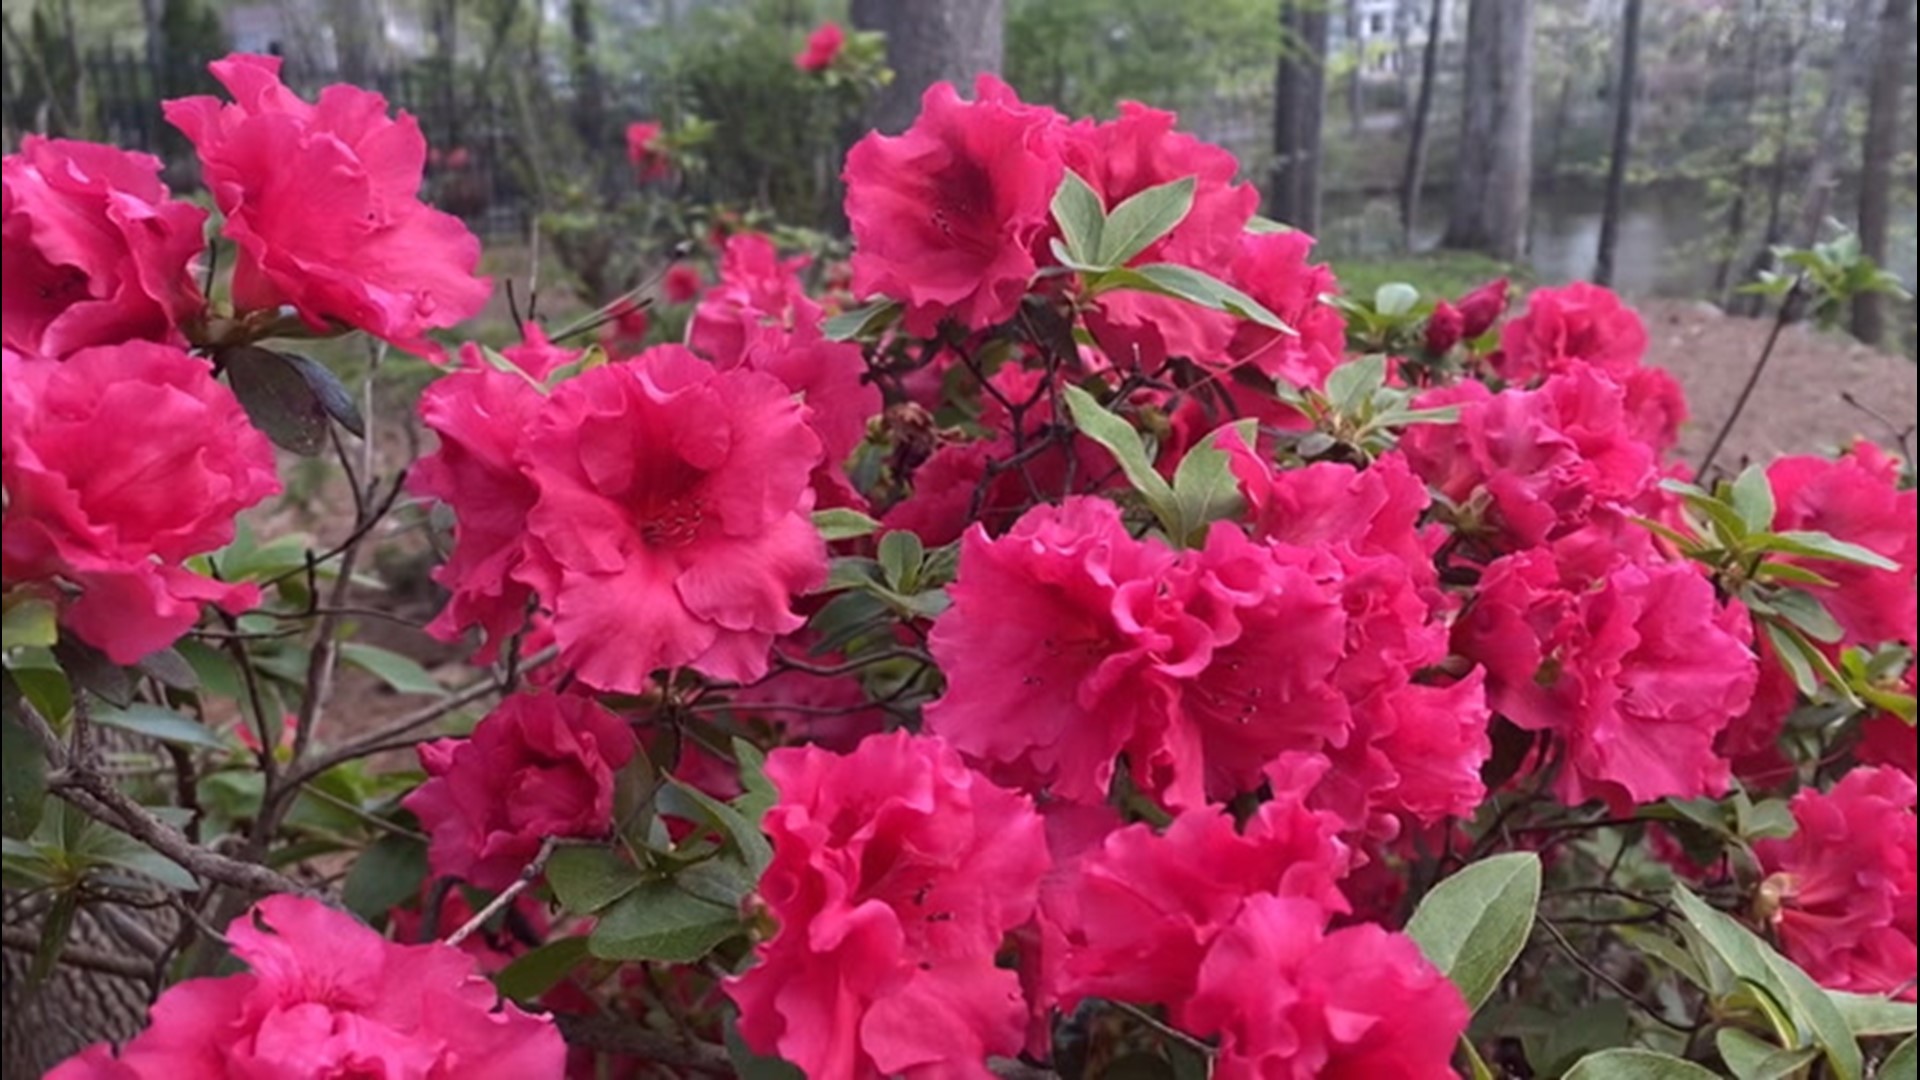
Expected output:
(1204, 487)
(662, 922)
(278, 398)
(1354, 383)
(586, 878)
(861, 321)
(1081, 216)
(1122, 441)
(1871, 1016)
(162, 723)
(1900, 1064)
(29, 620)
(1630, 1064)
(1818, 545)
(1753, 499)
(1142, 219)
(402, 674)
(532, 974)
(841, 523)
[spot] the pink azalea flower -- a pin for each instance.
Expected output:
(897, 872)
(823, 48)
(539, 765)
(122, 462)
(1633, 663)
(1575, 325)
(1273, 269)
(672, 524)
(327, 997)
(757, 290)
(649, 158)
(322, 201)
(94, 251)
(944, 216)
(1857, 498)
(480, 415)
(1070, 643)
(1288, 1000)
(1847, 880)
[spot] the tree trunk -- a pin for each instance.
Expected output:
(1491, 190)
(446, 48)
(1743, 180)
(1414, 175)
(1892, 60)
(589, 96)
(1356, 89)
(930, 41)
(1853, 57)
(1299, 106)
(359, 38)
(1626, 89)
(1562, 116)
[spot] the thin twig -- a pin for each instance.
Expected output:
(1612, 983)
(529, 874)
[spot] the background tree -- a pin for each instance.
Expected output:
(1299, 111)
(930, 41)
(1413, 176)
(1626, 92)
(1493, 172)
(1886, 94)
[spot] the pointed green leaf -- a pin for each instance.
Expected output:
(1630, 1064)
(660, 921)
(1749, 1057)
(387, 874)
(863, 321)
(840, 523)
(532, 974)
(1354, 383)
(1122, 441)
(1204, 487)
(1142, 219)
(162, 723)
(587, 877)
(402, 674)
(1786, 648)
(1872, 1016)
(1899, 1064)
(1818, 545)
(1195, 287)
(1474, 925)
(1081, 217)
(900, 555)
(1753, 499)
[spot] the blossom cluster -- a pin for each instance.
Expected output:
(1116, 638)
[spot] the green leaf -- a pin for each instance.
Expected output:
(1195, 287)
(89, 669)
(861, 321)
(54, 931)
(757, 793)
(1354, 383)
(1871, 1016)
(1204, 487)
(1753, 499)
(1261, 226)
(387, 874)
(171, 668)
(1770, 570)
(661, 921)
(162, 723)
(278, 397)
(1818, 545)
(1786, 648)
(684, 800)
(1081, 216)
(901, 554)
(1477, 1068)
(533, 973)
(104, 845)
(1395, 298)
(1750, 1057)
(402, 674)
(1135, 224)
(1474, 925)
(840, 523)
(586, 878)
(1123, 442)
(332, 394)
(1899, 1064)
(23, 773)
(1746, 956)
(29, 620)
(1631, 1064)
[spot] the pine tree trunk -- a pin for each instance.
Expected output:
(1414, 175)
(1299, 106)
(1626, 90)
(1492, 182)
(1881, 144)
(930, 41)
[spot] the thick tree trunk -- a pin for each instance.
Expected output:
(1299, 106)
(1492, 182)
(589, 93)
(1626, 90)
(930, 41)
(1851, 60)
(1414, 175)
(1893, 59)
(1557, 137)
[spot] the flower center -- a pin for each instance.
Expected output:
(672, 522)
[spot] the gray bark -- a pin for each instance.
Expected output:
(1494, 175)
(1626, 91)
(1850, 62)
(1413, 176)
(1892, 62)
(1299, 110)
(930, 41)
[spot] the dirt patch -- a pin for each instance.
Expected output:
(1798, 407)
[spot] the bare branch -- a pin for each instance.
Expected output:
(529, 874)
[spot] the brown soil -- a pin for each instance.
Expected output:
(1798, 407)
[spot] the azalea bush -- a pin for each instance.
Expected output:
(1068, 639)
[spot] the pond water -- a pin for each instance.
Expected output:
(1666, 235)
